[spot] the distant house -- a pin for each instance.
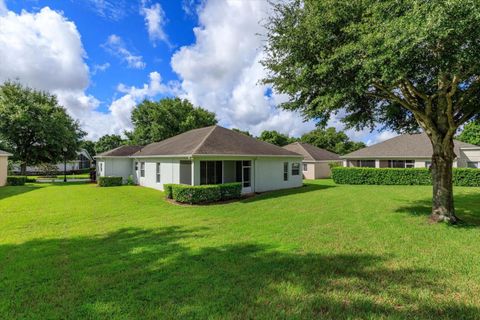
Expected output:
(4, 167)
(83, 161)
(316, 161)
(409, 151)
(210, 155)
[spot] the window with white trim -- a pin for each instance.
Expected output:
(401, 163)
(428, 164)
(305, 167)
(473, 164)
(295, 169)
(142, 169)
(366, 163)
(285, 171)
(158, 172)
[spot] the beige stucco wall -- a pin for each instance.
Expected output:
(310, 172)
(3, 170)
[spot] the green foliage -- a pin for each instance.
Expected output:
(394, 176)
(471, 133)
(203, 194)
(108, 142)
(275, 137)
(168, 189)
(230, 190)
(130, 181)
(110, 181)
(245, 132)
(16, 180)
(332, 140)
(30, 179)
(156, 121)
(35, 127)
(89, 146)
(196, 194)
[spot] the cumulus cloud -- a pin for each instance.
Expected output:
(221, 70)
(117, 47)
(155, 20)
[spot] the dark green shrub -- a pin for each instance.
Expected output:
(466, 177)
(30, 180)
(393, 176)
(167, 188)
(16, 180)
(230, 190)
(110, 181)
(196, 194)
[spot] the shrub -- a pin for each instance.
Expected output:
(16, 180)
(393, 176)
(110, 181)
(30, 180)
(167, 187)
(230, 190)
(130, 181)
(196, 194)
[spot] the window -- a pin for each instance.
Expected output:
(285, 171)
(295, 169)
(136, 166)
(158, 172)
(210, 172)
(473, 164)
(428, 164)
(101, 167)
(142, 169)
(366, 163)
(305, 167)
(401, 163)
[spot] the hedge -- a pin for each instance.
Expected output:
(110, 181)
(395, 176)
(204, 193)
(16, 180)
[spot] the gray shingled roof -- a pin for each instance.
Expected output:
(404, 146)
(311, 153)
(122, 151)
(213, 140)
(4, 153)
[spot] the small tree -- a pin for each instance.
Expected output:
(332, 140)
(156, 121)
(471, 133)
(403, 64)
(34, 127)
(275, 137)
(108, 142)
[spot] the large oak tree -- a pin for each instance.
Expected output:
(407, 65)
(35, 128)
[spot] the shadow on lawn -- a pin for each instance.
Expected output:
(467, 207)
(307, 187)
(140, 274)
(11, 191)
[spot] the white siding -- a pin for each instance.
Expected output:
(467, 156)
(169, 172)
(115, 167)
(268, 174)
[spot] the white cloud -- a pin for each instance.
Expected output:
(113, 10)
(3, 8)
(116, 46)
(100, 67)
(382, 136)
(221, 70)
(155, 21)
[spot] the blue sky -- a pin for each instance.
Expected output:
(102, 57)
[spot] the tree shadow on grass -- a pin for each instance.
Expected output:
(11, 191)
(142, 274)
(467, 208)
(307, 187)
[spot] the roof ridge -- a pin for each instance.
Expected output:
(203, 140)
(308, 152)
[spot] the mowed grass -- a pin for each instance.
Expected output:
(322, 251)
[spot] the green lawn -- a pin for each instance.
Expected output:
(69, 176)
(321, 252)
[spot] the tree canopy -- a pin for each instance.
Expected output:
(245, 132)
(156, 121)
(275, 137)
(89, 146)
(34, 127)
(109, 142)
(403, 65)
(332, 140)
(471, 133)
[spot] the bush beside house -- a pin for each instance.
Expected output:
(393, 176)
(110, 181)
(202, 194)
(16, 180)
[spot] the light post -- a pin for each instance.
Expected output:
(64, 164)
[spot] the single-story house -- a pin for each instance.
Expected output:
(210, 155)
(83, 160)
(316, 161)
(409, 151)
(4, 167)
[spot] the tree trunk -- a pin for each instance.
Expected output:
(23, 168)
(442, 177)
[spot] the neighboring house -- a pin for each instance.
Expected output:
(82, 161)
(316, 161)
(4, 167)
(409, 151)
(211, 155)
